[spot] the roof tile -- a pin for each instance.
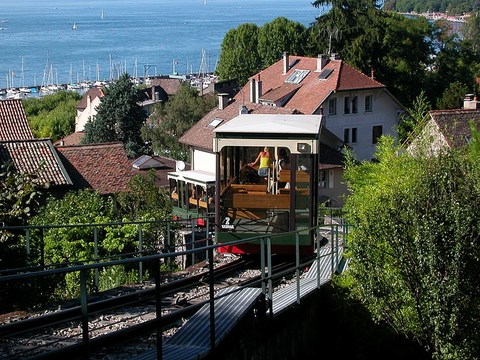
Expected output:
(36, 156)
(13, 121)
(103, 167)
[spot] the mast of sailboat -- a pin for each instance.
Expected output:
(70, 75)
(83, 70)
(23, 75)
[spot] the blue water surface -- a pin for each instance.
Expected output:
(158, 36)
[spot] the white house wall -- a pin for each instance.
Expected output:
(385, 112)
(202, 160)
(89, 112)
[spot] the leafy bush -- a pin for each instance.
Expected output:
(414, 247)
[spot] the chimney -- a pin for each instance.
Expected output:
(243, 110)
(286, 63)
(470, 102)
(334, 56)
(222, 101)
(258, 91)
(153, 93)
(372, 73)
(157, 96)
(321, 62)
(252, 90)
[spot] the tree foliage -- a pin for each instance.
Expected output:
(173, 119)
(52, 116)
(249, 48)
(239, 57)
(458, 7)
(453, 96)
(414, 118)
(20, 196)
(145, 200)
(415, 246)
(278, 36)
(119, 118)
(398, 49)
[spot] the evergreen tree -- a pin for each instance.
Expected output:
(119, 118)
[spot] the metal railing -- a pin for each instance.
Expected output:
(337, 238)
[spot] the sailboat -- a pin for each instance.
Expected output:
(101, 16)
(74, 27)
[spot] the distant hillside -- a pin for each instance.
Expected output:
(454, 7)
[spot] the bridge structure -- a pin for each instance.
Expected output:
(225, 308)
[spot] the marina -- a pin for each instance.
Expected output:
(97, 41)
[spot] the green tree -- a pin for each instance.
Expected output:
(363, 36)
(119, 118)
(52, 116)
(145, 200)
(173, 119)
(239, 57)
(453, 62)
(278, 36)
(453, 96)
(414, 118)
(414, 246)
(471, 32)
(20, 196)
(77, 243)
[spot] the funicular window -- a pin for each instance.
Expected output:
(303, 191)
(256, 204)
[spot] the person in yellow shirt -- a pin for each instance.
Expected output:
(263, 159)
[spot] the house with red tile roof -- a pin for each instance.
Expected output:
(147, 98)
(447, 129)
(102, 167)
(26, 154)
(356, 110)
(36, 156)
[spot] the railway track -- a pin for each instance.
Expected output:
(120, 318)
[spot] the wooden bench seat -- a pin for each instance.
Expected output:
(261, 201)
(302, 176)
(249, 187)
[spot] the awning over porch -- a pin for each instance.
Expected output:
(196, 177)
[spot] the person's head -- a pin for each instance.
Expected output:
(265, 149)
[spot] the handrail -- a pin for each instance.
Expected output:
(266, 279)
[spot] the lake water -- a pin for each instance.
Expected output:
(157, 36)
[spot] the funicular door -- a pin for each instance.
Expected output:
(253, 203)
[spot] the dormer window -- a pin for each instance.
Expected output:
(297, 76)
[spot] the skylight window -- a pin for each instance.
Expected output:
(297, 76)
(215, 122)
(293, 63)
(325, 74)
